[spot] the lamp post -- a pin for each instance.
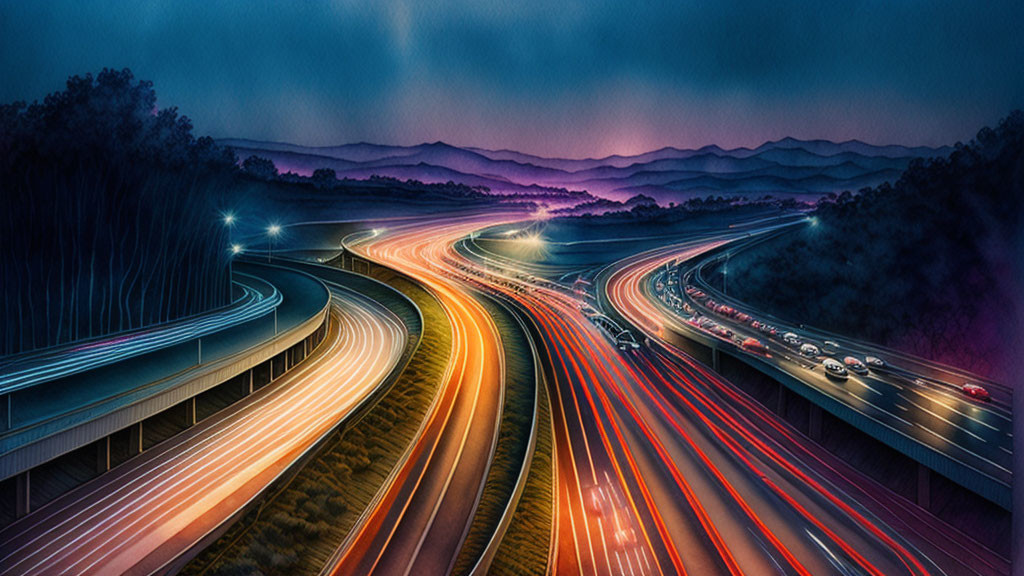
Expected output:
(229, 222)
(272, 232)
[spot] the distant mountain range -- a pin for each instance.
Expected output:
(788, 167)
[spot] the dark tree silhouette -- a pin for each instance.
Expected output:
(324, 178)
(260, 167)
(109, 219)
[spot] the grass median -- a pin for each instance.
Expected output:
(526, 545)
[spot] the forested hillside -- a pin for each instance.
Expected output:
(923, 265)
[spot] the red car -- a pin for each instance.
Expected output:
(975, 391)
(755, 346)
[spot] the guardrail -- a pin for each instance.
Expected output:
(254, 342)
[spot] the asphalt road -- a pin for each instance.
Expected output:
(148, 511)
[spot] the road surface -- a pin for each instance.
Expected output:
(147, 512)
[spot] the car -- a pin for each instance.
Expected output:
(809, 350)
(854, 365)
(792, 339)
(834, 369)
(721, 331)
(741, 317)
(975, 391)
(755, 346)
(874, 362)
(755, 325)
(829, 348)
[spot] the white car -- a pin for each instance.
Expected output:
(791, 338)
(874, 362)
(809, 350)
(829, 348)
(834, 369)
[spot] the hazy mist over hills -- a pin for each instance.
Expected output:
(803, 169)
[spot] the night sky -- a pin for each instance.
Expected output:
(557, 78)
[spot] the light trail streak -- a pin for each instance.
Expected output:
(28, 369)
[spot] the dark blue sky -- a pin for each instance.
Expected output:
(557, 78)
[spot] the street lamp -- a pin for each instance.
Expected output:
(229, 221)
(272, 233)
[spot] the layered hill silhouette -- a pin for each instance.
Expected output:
(803, 169)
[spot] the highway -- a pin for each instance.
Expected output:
(25, 370)
(144, 514)
(420, 519)
(658, 474)
(917, 398)
(630, 288)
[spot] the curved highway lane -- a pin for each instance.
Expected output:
(24, 370)
(420, 520)
(145, 513)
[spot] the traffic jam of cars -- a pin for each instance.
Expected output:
(706, 314)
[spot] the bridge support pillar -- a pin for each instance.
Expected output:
(24, 501)
(103, 455)
(780, 409)
(135, 439)
(814, 423)
(924, 484)
(251, 378)
(716, 360)
(190, 411)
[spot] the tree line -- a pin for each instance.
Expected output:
(110, 214)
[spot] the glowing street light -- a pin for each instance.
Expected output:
(229, 221)
(273, 231)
